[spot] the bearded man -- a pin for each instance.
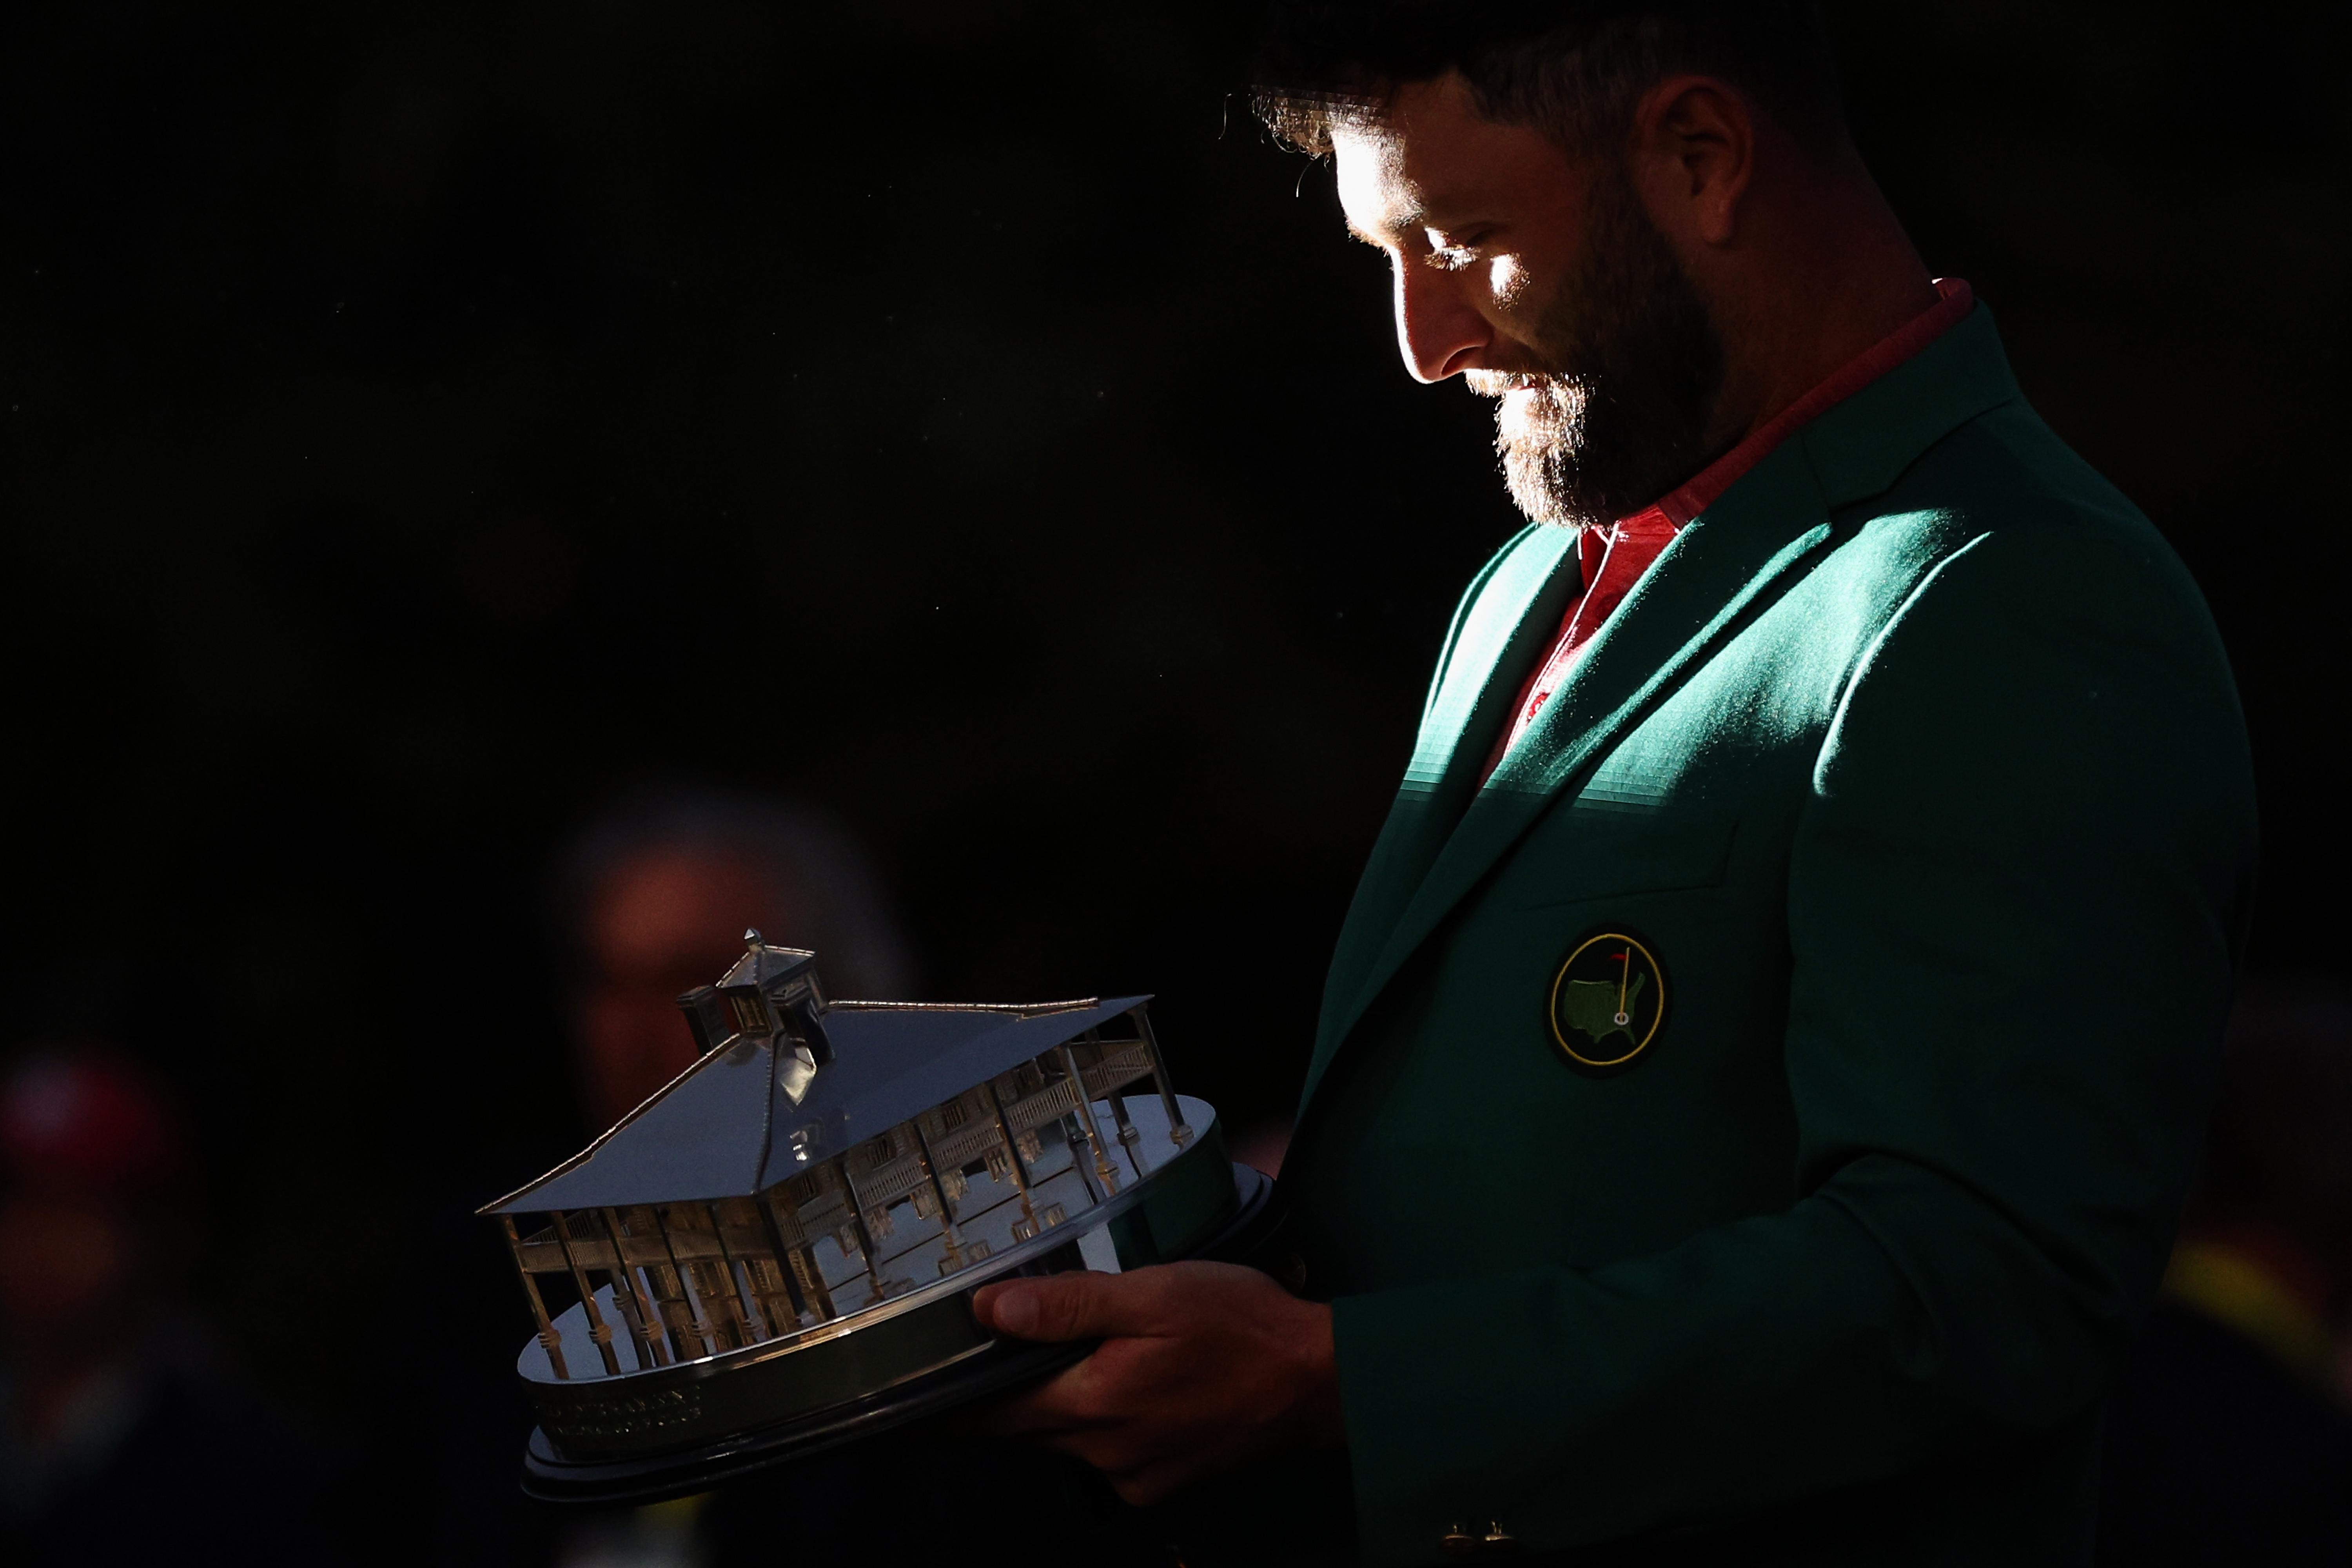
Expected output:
(1763, 1062)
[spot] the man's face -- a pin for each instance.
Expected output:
(660, 924)
(1540, 280)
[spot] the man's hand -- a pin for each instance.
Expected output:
(1202, 1365)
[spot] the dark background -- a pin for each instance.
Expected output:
(425, 421)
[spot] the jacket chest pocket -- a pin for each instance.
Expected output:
(1582, 856)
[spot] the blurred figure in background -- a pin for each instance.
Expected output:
(118, 1444)
(2229, 1441)
(655, 899)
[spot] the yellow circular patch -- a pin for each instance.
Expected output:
(1607, 1001)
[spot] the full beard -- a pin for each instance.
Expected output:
(1617, 414)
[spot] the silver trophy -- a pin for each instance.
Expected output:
(775, 1254)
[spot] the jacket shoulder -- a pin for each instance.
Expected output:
(2045, 527)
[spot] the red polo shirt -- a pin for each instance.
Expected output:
(1612, 559)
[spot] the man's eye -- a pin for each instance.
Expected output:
(1451, 254)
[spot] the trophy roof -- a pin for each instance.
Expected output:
(724, 1129)
(761, 963)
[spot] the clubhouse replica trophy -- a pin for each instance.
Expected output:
(776, 1254)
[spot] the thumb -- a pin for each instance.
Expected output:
(1054, 1307)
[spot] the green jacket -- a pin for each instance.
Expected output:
(1916, 763)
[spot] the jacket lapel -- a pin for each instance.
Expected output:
(1698, 586)
(1505, 617)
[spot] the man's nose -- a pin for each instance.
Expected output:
(1439, 332)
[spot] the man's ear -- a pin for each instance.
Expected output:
(1693, 150)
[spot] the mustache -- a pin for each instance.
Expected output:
(1495, 383)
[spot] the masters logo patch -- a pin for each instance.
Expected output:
(1607, 1001)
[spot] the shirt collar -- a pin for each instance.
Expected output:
(1954, 301)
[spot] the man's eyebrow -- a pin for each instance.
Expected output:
(1402, 222)
(1420, 217)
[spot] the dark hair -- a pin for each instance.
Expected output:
(1573, 68)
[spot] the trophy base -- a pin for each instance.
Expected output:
(1002, 1365)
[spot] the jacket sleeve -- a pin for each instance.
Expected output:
(2015, 891)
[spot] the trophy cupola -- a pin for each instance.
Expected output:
(771, 996)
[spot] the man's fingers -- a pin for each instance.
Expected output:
(1032, 1412)
(1060, 1306)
